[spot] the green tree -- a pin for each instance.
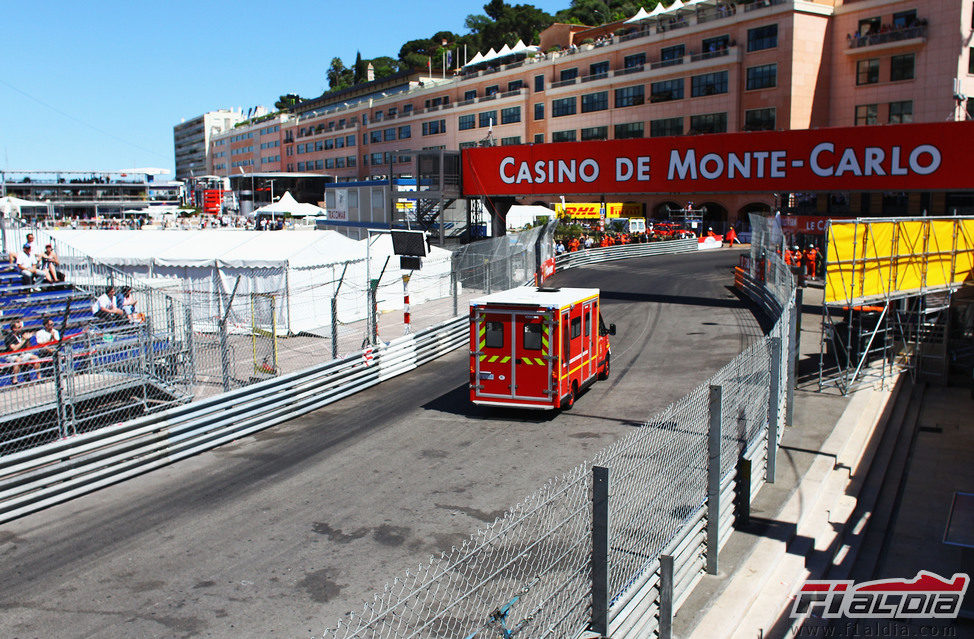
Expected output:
(338, 76)
(360, 68)
(287, 102)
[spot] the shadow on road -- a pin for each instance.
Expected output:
(457, 402)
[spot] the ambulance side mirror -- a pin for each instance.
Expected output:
(612, 329)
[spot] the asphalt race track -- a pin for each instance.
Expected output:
(280, 534)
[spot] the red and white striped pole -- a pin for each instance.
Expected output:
(405, 300)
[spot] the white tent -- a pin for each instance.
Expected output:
(13, 205)
(298, 270)
(521, 215)
(658, 9)
(640, 15)
(288, 205)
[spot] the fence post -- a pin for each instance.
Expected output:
(666, 597)
(190, 352)
(334, 328)
(59, 394)
(487, 278)
(600, 551)
(374, 314)
(794, 341)
(773, 401)
(713, 480)
(743, 514)
(454, 292)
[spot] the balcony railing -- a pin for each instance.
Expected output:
(857, 41)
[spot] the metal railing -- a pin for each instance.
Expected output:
(857, 41)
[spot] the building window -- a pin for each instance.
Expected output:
(339, 163)
(568, 74)
(511, 115)
(634, 61)
(708, 123)
(867, 71)
(351, 161)
(491, 90)
(901, 67)
(339, 143)
(329, 163)
(539, 138)
(487, 118)
(595, 133)
(539, 111)
(563, 136)
(514, 139)
(377, 159)
(406, 110)
(329, 144)
(762, 77)
(869, 25)
(904, 19)
(666, 126)
(867, 114)
(467, 122)
(599, 69)
(300, 166)
(470, 95)
(970, 62)
(466, 145)
(629, 130)
(901, 112)
(630, 96)
(713, 45)
(389, 135)
(759, 120)
(762, 38)
(539, 83)
(595, 102)
(666, 90)
(515, 85)
(708, 84)
(375, 136)
(405, 132)
(562, 107)
(349, 140)
(672, 55)
(319, 145)
(434, 127)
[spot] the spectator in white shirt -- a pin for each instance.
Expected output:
(27, 265)
(47, 337)
(105, 309)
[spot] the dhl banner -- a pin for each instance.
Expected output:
(877, 259)
(900, 157)
(590, 210)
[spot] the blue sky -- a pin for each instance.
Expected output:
(99, 85)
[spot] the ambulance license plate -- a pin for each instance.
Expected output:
(486, 376)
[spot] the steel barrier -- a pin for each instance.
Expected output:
(623, 252)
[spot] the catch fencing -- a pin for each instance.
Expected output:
(616, 544)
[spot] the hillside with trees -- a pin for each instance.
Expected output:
(500, 24)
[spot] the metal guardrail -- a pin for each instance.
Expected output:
(622, 252)
(53, 473)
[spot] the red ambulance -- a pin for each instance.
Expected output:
(536, 347)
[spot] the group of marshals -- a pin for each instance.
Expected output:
(796, 259)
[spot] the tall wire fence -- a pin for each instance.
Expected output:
(531, 573)
(196, 332)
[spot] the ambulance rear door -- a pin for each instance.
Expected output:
(533, 355)
(494, 358)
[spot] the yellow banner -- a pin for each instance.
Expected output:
(871, 260)
(590, 210)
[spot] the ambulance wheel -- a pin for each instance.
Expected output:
(570, 400)
(604, 373)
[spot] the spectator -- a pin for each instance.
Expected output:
(560, 247)
(14, 341)
(105, 309)
(47, 337)
(27, 266)
(125, 300)
(50, 263)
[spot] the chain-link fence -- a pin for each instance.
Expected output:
(533, 573)
(197, 331)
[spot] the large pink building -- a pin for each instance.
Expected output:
(711, 66)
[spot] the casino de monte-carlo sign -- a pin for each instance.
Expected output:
(900, 157)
